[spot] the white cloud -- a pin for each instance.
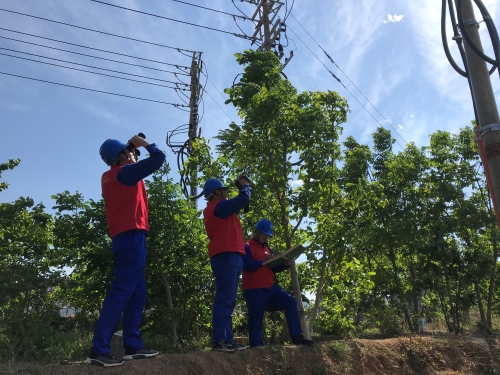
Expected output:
(393, 18)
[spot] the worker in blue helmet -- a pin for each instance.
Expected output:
(226, 249)
(126, 206)
(260, 289)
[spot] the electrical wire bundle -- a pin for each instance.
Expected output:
(459, 32)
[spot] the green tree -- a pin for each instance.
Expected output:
(11, 164)
(26, 280)
(288, 143)
(83, 249)
(179, 277)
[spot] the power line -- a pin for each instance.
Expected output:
(100, 50)
(88, 71)
(251, 19)
(97, 31)
(334, 76)
(174, 20)
(90, 66)
(213, 10)
(217, 104)
(333, 62)
(288, 12)
(102, 92)
(244, 15)
(84, 54)
(204, 90)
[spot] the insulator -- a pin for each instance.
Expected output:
(280, 48)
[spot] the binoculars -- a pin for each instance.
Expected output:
(130, 146)
(237, 182)
(238, 185)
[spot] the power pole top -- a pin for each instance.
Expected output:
(268, 26)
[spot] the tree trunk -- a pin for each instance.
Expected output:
(317, 300)
(298, 297)
(171, 308)
(166, 283)
(491, 289)
(401, 296)
(479, 302)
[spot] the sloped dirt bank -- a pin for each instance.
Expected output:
(418, 355)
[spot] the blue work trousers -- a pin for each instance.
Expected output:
(227, 270)
(127, 294)
(258, 299)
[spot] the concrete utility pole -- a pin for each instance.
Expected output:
(193, 111)
(484, 98)
(268, 26)
(268, 29)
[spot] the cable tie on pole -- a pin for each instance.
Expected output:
(471, 22)
(488, 128)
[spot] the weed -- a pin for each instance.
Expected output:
(341, 349)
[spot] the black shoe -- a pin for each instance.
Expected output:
(223, 346)
(107, 360)
(139, 354)
(301, 340)
(238, 346)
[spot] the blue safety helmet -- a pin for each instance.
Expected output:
(265, 226)
(110, 150)
(211, 185)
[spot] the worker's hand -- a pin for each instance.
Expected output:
(138, 141)
(243, 181)
(270, 256)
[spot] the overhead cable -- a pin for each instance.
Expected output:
(491, 29)
(88, 71)
(210, 96)
(100, 50)
(94, 57)
(334, 76)
(174, 20)
(90, 66)
(213, 10)
(87, 89)
(97, 31)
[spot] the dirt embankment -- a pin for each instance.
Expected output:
(417, 355)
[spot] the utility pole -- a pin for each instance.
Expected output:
(269, 25)
(267, 30)
(484, 98)
(193, 111)
(184, 148)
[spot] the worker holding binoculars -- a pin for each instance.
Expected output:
(126, 205)
(226, 250)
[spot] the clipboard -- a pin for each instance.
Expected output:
(290, 254)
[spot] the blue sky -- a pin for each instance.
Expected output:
(390, 49)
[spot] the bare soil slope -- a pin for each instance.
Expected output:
(416, 355)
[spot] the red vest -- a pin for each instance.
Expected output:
(126, 206)
(225, 235)
(262, 277)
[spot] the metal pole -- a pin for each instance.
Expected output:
(487, 111)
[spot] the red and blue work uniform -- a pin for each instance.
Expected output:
(261, 292)
(226, 250)
(126, 205)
